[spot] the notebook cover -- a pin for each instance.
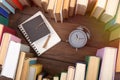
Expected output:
(4, 13)
(36, 28)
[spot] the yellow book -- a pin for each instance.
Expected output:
(50, 7)
(72, 7)
(99, 8)
(58, 11)
(66, 8)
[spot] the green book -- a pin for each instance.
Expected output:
(92, 68)
(3, 20)
(114, 23)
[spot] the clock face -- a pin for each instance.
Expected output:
(77, 38)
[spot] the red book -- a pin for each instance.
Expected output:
(4, 29)
(18, 4)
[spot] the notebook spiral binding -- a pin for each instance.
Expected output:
(28, 39)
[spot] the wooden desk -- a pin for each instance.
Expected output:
(62, 55)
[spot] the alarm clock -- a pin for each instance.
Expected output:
(79, 37)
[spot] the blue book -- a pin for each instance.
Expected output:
(3, 12)
(8, 6)
(3, 7)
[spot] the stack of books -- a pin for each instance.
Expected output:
(9, 6)
(99, 67)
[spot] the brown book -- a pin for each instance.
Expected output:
(37, 2)
(58, 11)
(91, 5)
(81, 7)
(51, 7)
(65, 8)
(45, 4)
(72, 7)
(25, 2)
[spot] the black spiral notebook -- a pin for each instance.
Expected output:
(39, 33)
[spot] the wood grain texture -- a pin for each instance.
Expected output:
(59, 57)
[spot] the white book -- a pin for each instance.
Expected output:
(11, 61)
(8, 6)
(99, 8)
(108, 57)
(50, 36)
(63, 76)
(110, 10)
(71, 73)
(81, 7)
(31, 74)
(80, 71)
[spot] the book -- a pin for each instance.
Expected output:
(44, 4)
(5, 45)
(70, 73)
(90, 6)
(80, 71)
(81, 7)
(72, 7)
(5, 29)
(8, 6)
(114, 23)
(51, 7)
(58, 11)
(8, 69)
(3, 20)
(37, 2)
(55, 78)
(114, 34)
(116, 43)
(18, 4)
(25, 2)
(110, 11)
(65, 8)
(99, 8)
(108, 57)
(26, 65)
(92, 62)
(12, 3)
(4, 13)
(63, 75)
(34, 70)
(25, 48)
(23, 56)
(41, 36)
(3, 7)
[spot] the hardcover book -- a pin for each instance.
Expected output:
(5, 44)
(3, 20)
(4, 13)
(5, 29)
(41, 36)
(8, 6)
